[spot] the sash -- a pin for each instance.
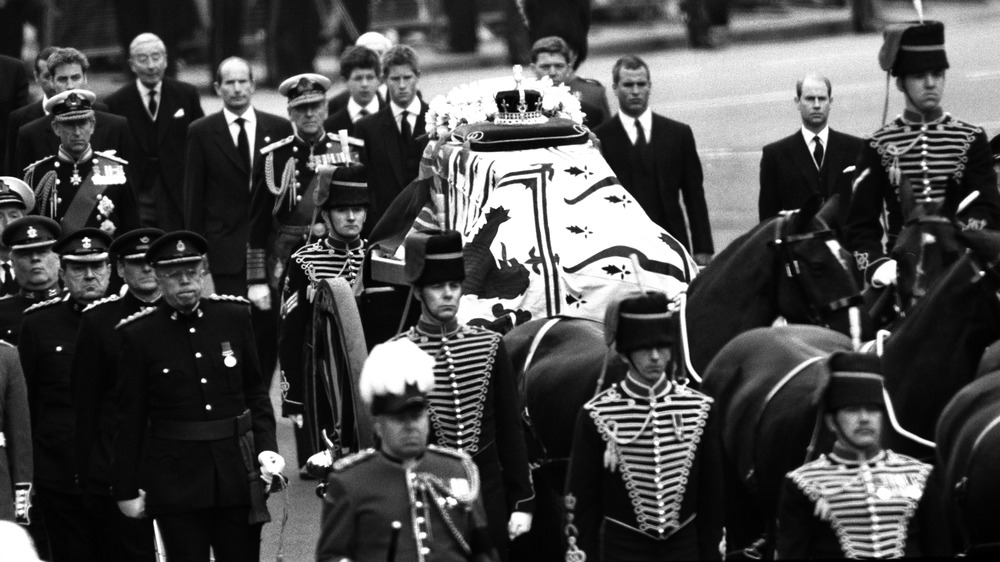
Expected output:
(83, 204)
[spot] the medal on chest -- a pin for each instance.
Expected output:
(228, 356)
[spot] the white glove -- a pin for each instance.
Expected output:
(134, 508)
(260, 295)
(271, 465)
(298, 420)
(885, 275)
(520, 523)
(322, 461)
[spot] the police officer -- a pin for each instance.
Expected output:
(859, 500)
(94, 376)
(47, 347)
(16, 200)
(474, 404)
(35, 267)
(79, 186)
(342, 196)
(196, 431)
(925, 146)
(408, 500)
(645, 475)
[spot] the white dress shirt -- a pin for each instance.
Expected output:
(144, 95)
(414, 111)
(354, 109)
(810, 138)
(646, 120)
(249, 125)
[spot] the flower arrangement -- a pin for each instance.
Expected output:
(475, 102)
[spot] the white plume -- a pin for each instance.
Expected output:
(919, 6)
(391, 366)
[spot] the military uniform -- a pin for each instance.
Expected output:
(15, 437)
(12, 309)
(593, 100)
(436, 501)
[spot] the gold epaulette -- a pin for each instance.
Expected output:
(351, 460)
(37, 162)
(110, 298)
(353, 141)
(136, 316)
(45, 303)
(277, 144)
(227, 298)
(110, 155)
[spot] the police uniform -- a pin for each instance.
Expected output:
(26, 234)
(193, 417)
(282, 206)
(15, 438)
(473, 406)
(644, 479)
(17, 194)
(92, 191)
(935, 154)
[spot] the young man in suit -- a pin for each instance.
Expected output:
(656, 160)
(813, 160)
(159, 111)
(377, 43)
(394, 137)
(552, 57)
(30, 112)
(360, 69)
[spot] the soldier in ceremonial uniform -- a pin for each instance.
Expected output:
(931, 149)
(474, 404)
(15, 438)
(408, 500)
(283, 214)
(16, 200)
(47, 347)
(859, 500)
(195, 439)
(645, 474)
(79, 186)
(36, 269)
(94, 376)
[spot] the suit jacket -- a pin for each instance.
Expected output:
(672, 159)
(13, 95)
(18, 119)
(340, 99)
(341, 119)
(788, 175)
(217, 186)
(36, 140)
(388, 170)
(160, 154)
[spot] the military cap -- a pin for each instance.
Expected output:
(396, 377)
(342, 186)
(639, 321)
(433, 257)
(995, 147)
(855, 380)
(29, 232)
(71, 105)
(304, 88)
(14, 191)
(175, 248)
(913, 47)
(83, 245)
(135, 243)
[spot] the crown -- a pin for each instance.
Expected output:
(519, 106)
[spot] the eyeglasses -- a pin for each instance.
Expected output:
(179, 273)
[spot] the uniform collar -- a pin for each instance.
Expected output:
(634, 385)
(343, 245)
(834, 457)
(910, 116)
(45, 294)
(430, 327)
(184, 317)
(67, 157)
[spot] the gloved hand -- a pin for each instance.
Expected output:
(271, 465)
(297, 419)
(134, 508)
(885, 275)
(22, 503)
(260, 295)
(319, 465)
(519, 523)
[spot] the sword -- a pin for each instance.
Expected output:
(393, 541)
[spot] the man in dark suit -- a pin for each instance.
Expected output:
(377, 43)
(67, 69)
(159, 111)
(30, 112)
(13, 95)
(656, 160)
(394, 137)
(360, 69)
(814, 160)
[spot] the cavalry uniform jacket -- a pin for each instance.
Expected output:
(282, 204)
(190, 382)
(15, 430)
(94, 192)
(644, 479)
(95, 374)
(935, 156)
(436, 501)
(12, 311)
(835, 508)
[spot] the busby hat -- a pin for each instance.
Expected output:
(306, 88)
(31, 232)
(134, 244)
(433, 257)
(855, 380)
(342, 186)
(396, 377)
(913, 47)
(639, 321)
(14, 191)
(71, 105)
(175, 248)
(83, 245)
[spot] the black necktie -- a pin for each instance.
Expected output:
(640, 135)
(8, 287)
(243, 143)
(818, 152)
(152, 103)
(405, 132)
(361, 114)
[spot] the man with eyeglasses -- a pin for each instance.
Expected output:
(46, 348)
(195, 446)
(35, 267)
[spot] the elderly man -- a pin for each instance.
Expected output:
(16, 200)
(35, 267)
(634, 491)
(79, 186)
(46, 350)
(933, 151)
(159, 111)
(408, 500)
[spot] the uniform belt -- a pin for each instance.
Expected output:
(203, 430)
